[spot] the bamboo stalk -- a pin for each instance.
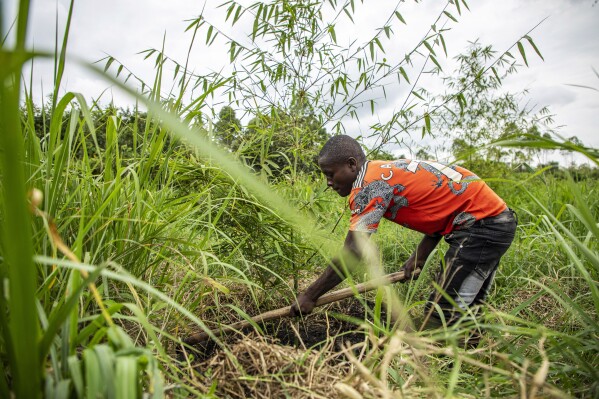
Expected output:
(284, 311)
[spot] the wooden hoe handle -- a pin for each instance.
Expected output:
(323, 300)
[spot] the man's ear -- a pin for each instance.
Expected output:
(352, 163)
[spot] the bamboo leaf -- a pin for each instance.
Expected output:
(232, 51)
(378, 43)
(522, 53)
(108, 63)
(427, 121)
(436, 62)
(404, 74)
(348, 14)
(238, 15)
(450, 16)
(533, 45)
(387, 30)
(443, 44)
(209, 33)
(398, 15)
(332, 33)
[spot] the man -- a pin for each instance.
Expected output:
(429, 197)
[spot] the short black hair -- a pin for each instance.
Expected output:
(341, 147)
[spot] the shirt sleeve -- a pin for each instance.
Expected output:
(368, 205)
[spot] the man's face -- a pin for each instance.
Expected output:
(340, 176)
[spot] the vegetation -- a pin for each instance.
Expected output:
(125, 230)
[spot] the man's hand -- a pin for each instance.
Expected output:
(333, 275)
(302, 306)
(418, 258)
(408, 268)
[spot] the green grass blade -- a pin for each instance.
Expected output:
(126, 377)
(94, 384)
(17, 242)
(66, 309)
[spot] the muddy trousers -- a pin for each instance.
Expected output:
(469, 267)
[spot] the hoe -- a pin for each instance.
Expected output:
(282, 312)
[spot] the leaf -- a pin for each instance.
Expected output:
(582, 86)
(387, 30)
(213, 38)
(427, 121)
(398, 15)
(496, 74)
(372, 50)
(149, 53)
(108, 63)
(404, 74)
(238, 15)
(436, 62)
(209, 34)
(126, 377)
(533, 45)
(378, 42)
(429, 47)
(443, 44)
(450, 16)
(332, 33)
(348, 14)
(232, 51)
(76, 374)
(418, 95)
(522, 53)
(229, 11)
(93, 375)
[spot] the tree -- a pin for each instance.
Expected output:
(227, 129)
(280, 143)
(475, 114)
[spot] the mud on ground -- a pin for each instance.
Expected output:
(299, 358)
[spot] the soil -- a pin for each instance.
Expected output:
(333, 325)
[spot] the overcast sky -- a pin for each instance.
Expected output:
(568, 40)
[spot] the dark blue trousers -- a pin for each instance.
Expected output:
(470, 266)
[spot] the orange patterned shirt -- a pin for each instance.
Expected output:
(426, 196)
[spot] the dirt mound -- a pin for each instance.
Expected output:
(258, 368)
(293, 358)
(335, 325)
(340, 323)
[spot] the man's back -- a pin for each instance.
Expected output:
(426, 196)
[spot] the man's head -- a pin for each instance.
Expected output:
(340, 160)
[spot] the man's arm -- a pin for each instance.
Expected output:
(333, 275)
(421, 254)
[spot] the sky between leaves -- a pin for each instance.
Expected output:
(568, 40)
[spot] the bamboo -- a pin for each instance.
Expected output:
(284, 311)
